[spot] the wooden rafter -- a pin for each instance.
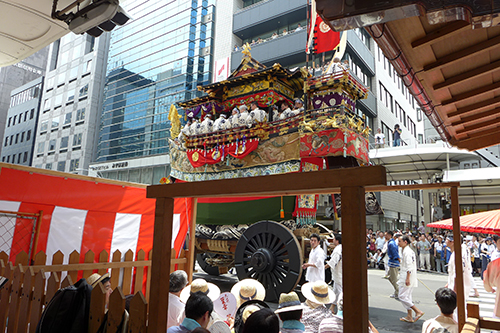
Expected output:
(472, 93)
(464, 53)
(476, 116)
(474, 107)
(474, 127)
(483, 70)
(441, 33)
(477, 141)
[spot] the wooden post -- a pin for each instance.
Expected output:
(37, 234)
(160, 265)
(457, 245)
(354, 274)
(192, 238)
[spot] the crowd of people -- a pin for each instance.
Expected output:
(432, 250)
(240, 117)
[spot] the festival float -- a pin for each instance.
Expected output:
(264, 238)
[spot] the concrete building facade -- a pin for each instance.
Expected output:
(71, 103)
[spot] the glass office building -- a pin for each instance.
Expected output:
(155, 60)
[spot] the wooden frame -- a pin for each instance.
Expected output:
(351, 182)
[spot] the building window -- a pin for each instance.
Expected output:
(25, 159)
(80, 115)
(3, 158)
(55, 123)
(74, 164)
(48, 166)
(58, 101)
(17, 138)
(77, 139)
(41, 148)
(71, 96)
(46, 104)
(11, 140)
(20, 118)
(83, 91)
(32, 113)
(61, 166)
(8, 159)
(67, 118)
(6, 141)
(8, 123)
(64, 142)
(26, 115)
(52, 145)
(28, 135)
(19, 156)
(22, 136)
(14, 121)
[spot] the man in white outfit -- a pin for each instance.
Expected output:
(335, 264)
(491, 280)
(315, 265)
(408, 280)
(467, 268)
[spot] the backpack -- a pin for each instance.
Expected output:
(67, 311)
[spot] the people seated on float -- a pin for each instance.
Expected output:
(220, 123)
(298, 107)
(336, 67)
(233, 119)
(206, 124)
(195, 127)
(243, 117)
(285, 108)
(277, 113)
(256, 115)
(185, 131)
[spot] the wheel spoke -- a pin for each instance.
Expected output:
(283, 263)
(283, 250)
(280, 258)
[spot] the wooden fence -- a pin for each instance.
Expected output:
(475, 323)
(30, 288)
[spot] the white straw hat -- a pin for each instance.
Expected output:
(209, 289)
(318, 292)
(248, 289)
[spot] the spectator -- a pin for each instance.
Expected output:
(496, 252)
(299, 27)
(248, 289)
(432, 241)
(438, 254)
(178, 280)
(485, 255)
(468, 280)
(424, 246)
(397, 136)
(236, 48)
(198, 310)
(421, 229)
(207, 288)
(476, 259)
(290, 312)
(446, 299)
(380, 241)
(274, 36)
(408, 280)
(263, 320)
(244, 311)
(317, 295)
(336, 323)
(379, 139)
(414, 247)
(94, 279)
(285, 32)
(315, 266)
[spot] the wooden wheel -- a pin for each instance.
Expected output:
(269, 252)
(209, 269)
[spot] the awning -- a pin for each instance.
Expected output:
(484, 222)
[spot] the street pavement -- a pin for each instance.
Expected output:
(385, 311)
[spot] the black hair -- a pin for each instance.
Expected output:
(106, 279)
(255, 103)
(197, 305)
(128, 299)
(315, 235)
(200, 330)
(338, 238)
(290, 315)
(495, 238)
(263, 320)
(390, 232)
(446, 300)
(406, 239)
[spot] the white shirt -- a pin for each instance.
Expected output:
(257, 115)
(467, 271)
(206, 126)
(335, 264)
(440, 321)
(316, 257)
(380, 241)
(380, 138)
(408, 264)
(175, 310)
(219, 124)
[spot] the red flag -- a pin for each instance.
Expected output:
(325, 38)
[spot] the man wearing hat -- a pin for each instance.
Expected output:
(94, 279)
(290, 313)
(298, 107)
(317, 295)
(220, 123)
(207, 288)
(248, 289)
(198, 310)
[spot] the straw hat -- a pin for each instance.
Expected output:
(318, 292)
(248, 289)
(289, 302)
(95, 278)
(219, 327)
(209, 289)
